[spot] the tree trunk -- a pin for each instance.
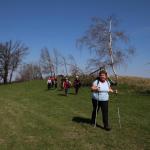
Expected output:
(5, 73)
(11, 75)
(5, 77)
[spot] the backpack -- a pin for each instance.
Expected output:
(67, 84)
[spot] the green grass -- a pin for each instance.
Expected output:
(32, 118)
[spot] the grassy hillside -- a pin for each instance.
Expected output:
(32, 118)
(136, 83)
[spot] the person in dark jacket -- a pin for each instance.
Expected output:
(77, 84)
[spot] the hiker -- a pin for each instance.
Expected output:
(100, 98)
(66, 86)
(52, 79)
(49, 83)
(77, 84)
(55, 82)
(62, 82)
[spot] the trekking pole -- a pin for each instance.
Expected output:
(96, 114)
(119, 118)
(96, 110)
(118, 113)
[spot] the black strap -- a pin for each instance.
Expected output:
(98, 81)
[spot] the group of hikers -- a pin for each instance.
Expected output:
(100, 96)
(66, 84)
(52, 82)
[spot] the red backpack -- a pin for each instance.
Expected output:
(66, 84)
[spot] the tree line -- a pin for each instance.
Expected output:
(12, 55)
(95, 40)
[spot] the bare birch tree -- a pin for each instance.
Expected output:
(96, 40)
(46, 62)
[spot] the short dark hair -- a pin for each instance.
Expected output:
(103, 72)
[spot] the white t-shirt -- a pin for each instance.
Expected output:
(102, 94)
(49, 81)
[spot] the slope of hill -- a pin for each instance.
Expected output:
(33, 118)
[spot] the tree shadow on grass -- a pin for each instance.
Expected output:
(72, 93)
(60, 94)
(60, 90)
(49, 89)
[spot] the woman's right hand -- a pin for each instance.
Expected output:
(95, 89)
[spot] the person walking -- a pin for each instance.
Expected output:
(49, 83)
(66, 86)
(77, 84)
(100, 98)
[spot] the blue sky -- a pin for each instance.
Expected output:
(59, 23)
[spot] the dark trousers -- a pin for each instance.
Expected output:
(52, 84)
(104, 109)
(76, 89)
(55, 85)
(49, 85)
